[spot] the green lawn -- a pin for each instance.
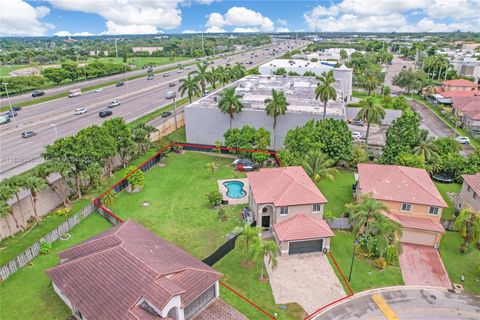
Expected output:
(447, 213)
(338, 192)
(28, 294)
(144, 61)
(458, 264)
(364, 275)
(6, 69)
(178, 209)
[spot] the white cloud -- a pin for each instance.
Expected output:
(242, 18)
(241, 29)
(215, 29)
(129, 16)
(188, 31)
(282, 29)
(282, 22)
(19, 18)
(206, 1)
(83, 34)
(62, 34)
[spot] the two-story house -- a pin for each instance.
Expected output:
(411, 196)
(286, 201)
(470, 193)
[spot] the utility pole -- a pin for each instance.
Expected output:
(175, 110)
(10, 104)
(116, 48)
(203, 48)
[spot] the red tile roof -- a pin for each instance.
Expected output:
(302, 227)
(284, 187)
(415, 222)
(459, 83)
(473, 180)
(399, 183)
(106, 276)
(460, 93)
(469, 106)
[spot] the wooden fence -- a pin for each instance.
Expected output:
(28, 255)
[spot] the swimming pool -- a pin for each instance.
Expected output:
(235, 189)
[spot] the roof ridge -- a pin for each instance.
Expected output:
(418, 184)
(89, 255)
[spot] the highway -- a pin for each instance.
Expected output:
(55, 119)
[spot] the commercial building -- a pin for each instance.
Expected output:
(150, 50)
(205, 123)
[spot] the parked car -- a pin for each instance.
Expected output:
(356, 135)
(114, 104)
(28, 134)
(16, 108)
(357, 122)
(80, 111)
(166, 114)
(165, 75)
(150, 70)
(120, 84)
(37, 93)
(150, 77)
(243, 161)
(98, 90)
(105, 113)
(179, 71)
(172, 84)
(462, 140)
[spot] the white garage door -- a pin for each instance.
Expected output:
(418, 237)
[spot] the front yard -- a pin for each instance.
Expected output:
(338, 192)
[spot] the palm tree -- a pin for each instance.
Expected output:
(5, 211)
(343, 56)
(35, 184)
(468, 223)
(238, 71)
(201, 75)
(108, 200)
(317, 165)
(325, 91)
(371, 112)
(141, 136)
(190, 86)
(6, 192)
(275, 107)
(212, 167)
(425, 147)
(230, 103)
(264, 249)
(224, 75)
(214, 76)
(17, 184)
(386, 232)
(364, 212)
(248, 236)
(44, 171)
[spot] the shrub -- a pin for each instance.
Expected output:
(222, 216)
(63, 212)
(214, 199)
(328, 215)
(137, 179)
(354, 105)
(45, 247)
(391, 256)
(380, 263)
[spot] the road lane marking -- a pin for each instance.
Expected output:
(384, 307)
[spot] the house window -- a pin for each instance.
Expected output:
(434, 211)
(474, 195)
(317, 207)
(406, 207)
(283, 211)
(468, 188)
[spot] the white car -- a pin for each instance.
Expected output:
(114, 104)
(80, 111)
(179, 71)
(462, 140)
(98, 90)
(356, 135)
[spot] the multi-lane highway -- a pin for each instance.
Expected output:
(56, 118)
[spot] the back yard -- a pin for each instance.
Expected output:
(338, 192)
(444, 188)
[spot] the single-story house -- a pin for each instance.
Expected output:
(129, 273)
(470, 193)
(458, 84)
(286, 201)
(411, 196)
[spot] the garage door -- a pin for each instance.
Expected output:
(199, 303)
(418, 237)
(305, 246)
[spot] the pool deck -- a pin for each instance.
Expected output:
(223, 191)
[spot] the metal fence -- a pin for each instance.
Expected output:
(33, 251)
(220, 252)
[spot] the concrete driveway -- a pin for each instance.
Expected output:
(307, 279)
(422, 266)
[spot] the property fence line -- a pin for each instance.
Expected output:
(221, 252)
(448, 224)
(33, 251)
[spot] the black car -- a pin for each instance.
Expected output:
(120, 84)
(10, 114)
(105, 113)
(28, 134)
(16, 108)
(150, 70)
(166, 114)
(37, 93)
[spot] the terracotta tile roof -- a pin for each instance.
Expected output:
(460, 93)
(106, 276)
(219, 310)
(413, 222)
(284, 186)
(470, 106)
(399, 183)
(302, 227)
(459, 83)
(473, 180)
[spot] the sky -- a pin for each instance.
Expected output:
(95, 17)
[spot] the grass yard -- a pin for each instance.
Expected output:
(28, 294)
(458, 264)
(6, 69)
(448, 213)
(178, 209)
(364, 275)
(145, 61)
(245, 281)
(338, 192)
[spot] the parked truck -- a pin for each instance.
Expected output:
(74, 93)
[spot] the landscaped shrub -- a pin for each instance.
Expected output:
(45, 247)
(380, 263)
(63, 212)
(391, 256)
(137, 179)
(354, 105)
(214, 199)
(222, 216)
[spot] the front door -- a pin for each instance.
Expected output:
(265, 221)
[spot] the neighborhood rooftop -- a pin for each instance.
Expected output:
(473, 181)
(299, 91)
(302, 227)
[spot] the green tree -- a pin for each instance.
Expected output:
(229, 103)
(6, 193)
(109, 199)
(363, 213)
(44, 171)
(125, 54)
(214, 77)
(343, 56)
(317, 165)
(276, 106)
(238, 71)
(212, 168)
(401, 136)
(325, 91)
(425, 147)
(371, 78)
(201, 75)
(371, 112)
(280, 72)
(262, 250)
(55, 75)
(34, 184)
(190, 86)
(17, 184)
(71, 70)
(5, 212)
(137, 178)
(468, 223)
(141, 136)
(248, 236)
(118, 129)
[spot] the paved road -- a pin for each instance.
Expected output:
(408, 304)
(137, 97)
(397, 65)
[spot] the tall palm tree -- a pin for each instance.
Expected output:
(35, 184)
(6, 192)
(141, 136)
(317, 165)
(230, 103)
(248, 236)
(386, 233)
(364, 212)
(190, 86)
(276, 106)
(343, 56)
(201, 75)
(425, 146)
(224, 75)
(468, 223)
(17, 184)
(214, 76)
(238, 71)
(325, 91)
(370, 112)
(262, 250)
(109, 199)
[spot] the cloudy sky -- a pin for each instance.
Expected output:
(89, 17)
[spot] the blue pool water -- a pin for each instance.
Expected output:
(235, 189)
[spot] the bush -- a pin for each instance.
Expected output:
(45, 247)
(222, 216)
(63, 212)
(214, 199)
(391, 256)
(354, 105)
(137, 179)
(380, 263)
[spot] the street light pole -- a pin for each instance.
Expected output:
(56, 132)
(175, 111)
(353, 258)
(10, 104)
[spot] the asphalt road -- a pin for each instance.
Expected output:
(137, 97)
(398, 64)
(407, 304)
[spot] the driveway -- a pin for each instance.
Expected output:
(422, 266)
(307, 279)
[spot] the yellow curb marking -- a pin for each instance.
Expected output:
(384, 307)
